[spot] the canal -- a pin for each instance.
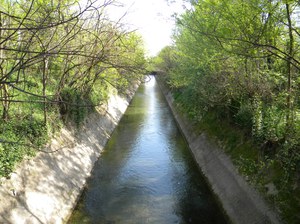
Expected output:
(146, 173)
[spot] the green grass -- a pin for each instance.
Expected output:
(257, 165)
(25, 131)
(20, 138)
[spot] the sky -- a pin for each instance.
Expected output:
(152, 19)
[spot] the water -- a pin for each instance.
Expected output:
(147, 174)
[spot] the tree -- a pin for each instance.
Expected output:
(246, 50)
(57, 59)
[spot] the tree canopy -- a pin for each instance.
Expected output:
(58, 60)
(239, 60)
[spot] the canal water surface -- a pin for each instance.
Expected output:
(146, 173)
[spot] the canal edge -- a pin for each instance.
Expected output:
(46, 188)
(241, 202)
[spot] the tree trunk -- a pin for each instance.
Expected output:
(44, 81)
(290, 49)
(5, 102)
(3, 86)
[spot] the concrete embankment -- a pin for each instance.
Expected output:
(240, 201)
(45, 189)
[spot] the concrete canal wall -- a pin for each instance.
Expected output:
(241, 203)
(45, 189)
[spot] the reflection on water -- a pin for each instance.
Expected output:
(146, 173)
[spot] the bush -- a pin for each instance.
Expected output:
(20, 138)
(244, 116)
(74, 106)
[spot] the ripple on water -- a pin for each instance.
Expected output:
(146, 173)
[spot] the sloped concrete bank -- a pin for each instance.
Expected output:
(45, 189)
(242, 204)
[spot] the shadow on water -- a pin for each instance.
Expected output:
(146, 173)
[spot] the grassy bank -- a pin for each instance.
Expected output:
(28, 130)
(260, 163)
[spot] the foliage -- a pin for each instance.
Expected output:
(75, 107)
(58, 57)
(236, 64)
(20, 139)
